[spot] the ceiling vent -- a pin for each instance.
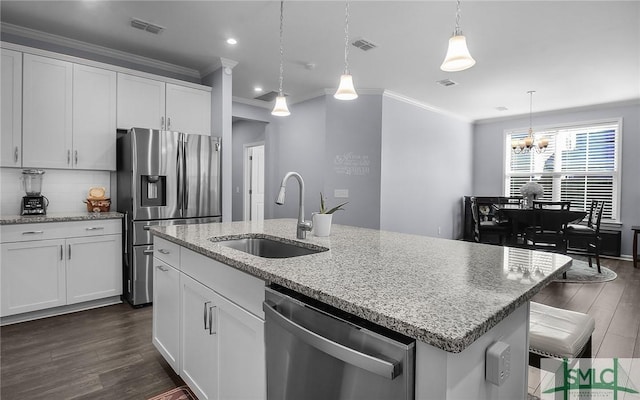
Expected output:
(446, 82)
(269, 96)
(146, 26)
(364, 44)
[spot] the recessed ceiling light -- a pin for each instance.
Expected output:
(501, 108)
(232, 41)
(257, 89)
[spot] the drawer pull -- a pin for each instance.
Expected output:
(146, 227)
(95, 228)
(164, 251)
(147, 252)
(163, 269)
(33, 233)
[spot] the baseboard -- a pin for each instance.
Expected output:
(52, 312)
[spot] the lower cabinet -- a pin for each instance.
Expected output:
(33, 276)
(219, 349)
(49, 265)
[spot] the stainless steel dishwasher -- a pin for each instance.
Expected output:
(315, 351)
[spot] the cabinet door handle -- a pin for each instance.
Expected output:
(95, 228)
(212, 310)
(147, 252)
(33, 233)
(146, 227)
(168, 123)
(164, 251)
(75, 156)
(61, 253)
(205, 315)
(15, 155)
(163, 269)
(68, 156)
(69, 252)
(161, 122)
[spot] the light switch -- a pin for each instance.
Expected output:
(341, 193)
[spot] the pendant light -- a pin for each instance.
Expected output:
(525, 145)
(346, 91)
(280, 109)
(458, 57)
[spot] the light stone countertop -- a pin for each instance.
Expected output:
(57, 217)
(446, 293)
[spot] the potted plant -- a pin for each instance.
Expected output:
(322, 219)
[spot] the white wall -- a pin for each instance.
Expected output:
(426, 170)
(489, 151)
(65, 189)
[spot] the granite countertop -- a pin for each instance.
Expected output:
(57, 217)
(446, 293)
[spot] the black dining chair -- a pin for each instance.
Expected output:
(483, 230)
(588, 235)
(548, 232)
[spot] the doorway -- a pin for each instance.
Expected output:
(254, 182)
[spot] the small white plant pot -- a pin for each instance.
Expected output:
(322, 224)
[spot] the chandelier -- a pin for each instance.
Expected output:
(528, 143)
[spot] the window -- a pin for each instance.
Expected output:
(580, 164)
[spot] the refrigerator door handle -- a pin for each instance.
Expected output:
(185, 200)
(179, 174)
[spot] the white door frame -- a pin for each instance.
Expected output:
(246, 166)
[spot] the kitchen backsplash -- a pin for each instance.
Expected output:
(65, 189)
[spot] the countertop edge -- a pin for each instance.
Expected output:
(58, 217)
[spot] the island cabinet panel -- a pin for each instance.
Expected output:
(199, 361)
(11, 117)
(33, 276)
(166, 312)
(221, 340)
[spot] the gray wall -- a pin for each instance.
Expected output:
(489, 149)
(243, 132)
(426, 170)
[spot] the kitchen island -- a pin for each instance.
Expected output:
(455, 298)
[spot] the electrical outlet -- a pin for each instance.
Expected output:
(498, 363)
(439, 230)
(341, 193)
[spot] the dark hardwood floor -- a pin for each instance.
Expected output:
(107, 353)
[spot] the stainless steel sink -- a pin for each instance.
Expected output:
(268, 248)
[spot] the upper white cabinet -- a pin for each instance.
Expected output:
(11, 117)
(148, 103)
(141, 102)
(69, 115)
(47, 108)
(188, 109)
(94, 118)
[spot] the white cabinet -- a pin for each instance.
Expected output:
(47, 108)
(46, 265)
(166, 312)
(69, 115)
(11, 102)
(148, 103)
(221, 353)
(94, 118)
(32, 276)
(199, 363)
(92, 271)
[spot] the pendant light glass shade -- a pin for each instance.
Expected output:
(281, 109)
(346, 91)
(458, 57)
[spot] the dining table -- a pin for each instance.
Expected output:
(522, 218)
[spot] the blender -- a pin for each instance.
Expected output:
(33, 203)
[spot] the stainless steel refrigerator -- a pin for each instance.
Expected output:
(163, 178)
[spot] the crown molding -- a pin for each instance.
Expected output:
(96, 49)
(252, 102)
(414, 102)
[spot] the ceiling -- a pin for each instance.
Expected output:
(572, 53)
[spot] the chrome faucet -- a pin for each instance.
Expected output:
(303, 226)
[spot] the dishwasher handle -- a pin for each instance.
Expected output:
(386, 369)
